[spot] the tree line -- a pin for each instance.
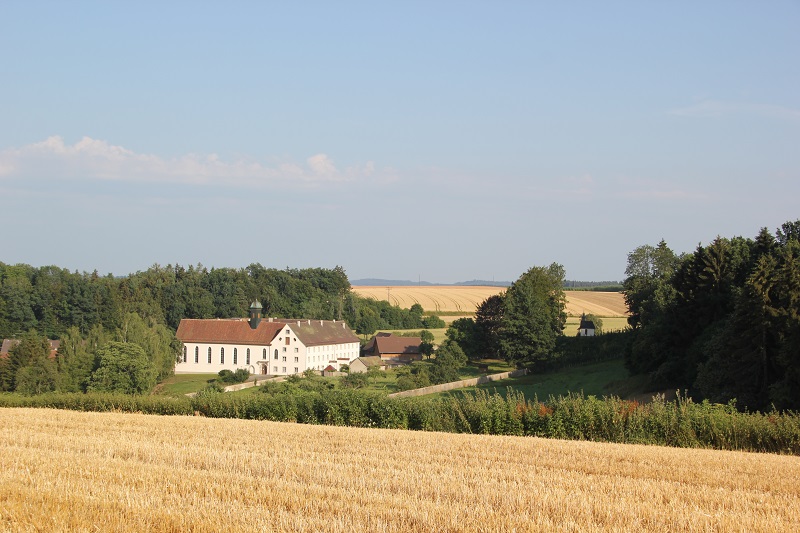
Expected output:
(51, 300)
(102, 321)
(722, 322)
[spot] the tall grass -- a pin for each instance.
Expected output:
(679, 423)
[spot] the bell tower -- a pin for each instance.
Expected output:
(255, 314)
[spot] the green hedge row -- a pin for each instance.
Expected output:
(680, 423)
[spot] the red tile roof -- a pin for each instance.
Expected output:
(238, 331)
(397, 345)
(8, 344)
(227, 331)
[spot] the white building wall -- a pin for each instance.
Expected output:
(291, 355)
(294, 357)
(202, 366)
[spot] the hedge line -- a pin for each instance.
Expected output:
(680, 423)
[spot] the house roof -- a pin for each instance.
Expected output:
(238, 331)
(8, 344)
(586, 324)
(322, 332)
(396, 344)
(227, 331)
(372, 360)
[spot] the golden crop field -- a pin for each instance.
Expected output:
(74, 471)
(456, 298)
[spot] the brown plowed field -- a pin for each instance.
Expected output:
(447, 298)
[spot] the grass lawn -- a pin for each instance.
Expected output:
(180, 384)
(610, 323)
(598, 379)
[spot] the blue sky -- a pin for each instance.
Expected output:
(443, 140)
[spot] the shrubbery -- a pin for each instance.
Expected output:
(681, 423)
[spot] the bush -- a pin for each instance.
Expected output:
(681, 423)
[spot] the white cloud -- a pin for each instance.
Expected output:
(92, 159)
(718, 108)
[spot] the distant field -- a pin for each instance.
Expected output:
(466, 300)
(76, 471)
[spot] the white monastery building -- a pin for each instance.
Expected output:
(276, 347)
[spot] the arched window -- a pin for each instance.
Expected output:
(248, 357)
(222, 356)
(196, 354)
(276, 353)
(184, 353)
(235, 355)
(264, 354)
(209, 355)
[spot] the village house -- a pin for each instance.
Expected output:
(394, 348)
(586, 327)
(275, 347)
(8, 344)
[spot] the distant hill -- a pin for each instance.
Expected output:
(373, 282)
(484, 283)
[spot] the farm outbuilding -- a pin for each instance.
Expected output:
(393, 348)
(363, 364)
(586, 327)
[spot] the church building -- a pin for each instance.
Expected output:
(274, 347)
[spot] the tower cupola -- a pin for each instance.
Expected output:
(255, 314)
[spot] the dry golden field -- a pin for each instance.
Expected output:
(457, 298)
(73, 471)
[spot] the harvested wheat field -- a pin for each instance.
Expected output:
(74, 471)
(465, 299)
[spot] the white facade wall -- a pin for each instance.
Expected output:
(202, 366)
(335, 355)
(282, 358)
(288, 355)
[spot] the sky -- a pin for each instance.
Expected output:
(441, 141)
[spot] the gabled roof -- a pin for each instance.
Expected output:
(238, 331)
(8, 344)
(396, 344)
(227, 331)
(322, 332)
(372, 360)
(586, 324)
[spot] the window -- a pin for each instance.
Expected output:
(296, 370)
(247, 362)
(296, 360)
(296, 350)
(235, 355)
(276, 353)
(264, 353)
(284, 348)
(184, 354)
(287, 331)
(275, 369)
(196, 354)
(284, 358)
(222, 356)
(209, 355)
